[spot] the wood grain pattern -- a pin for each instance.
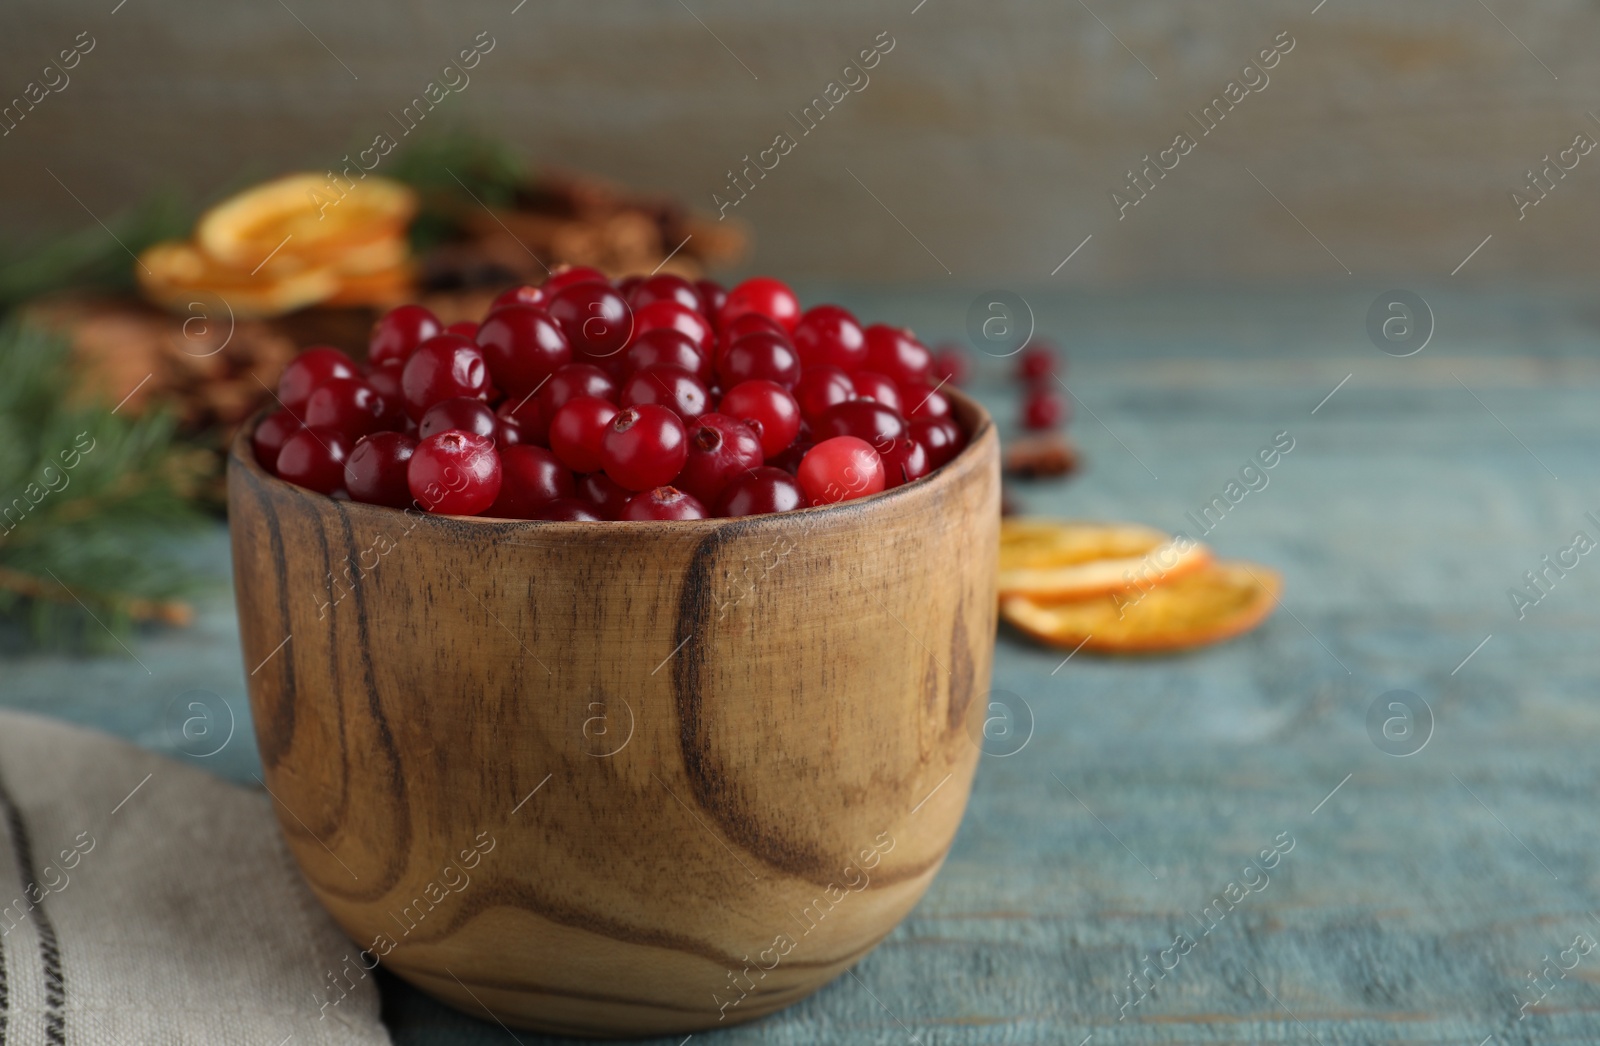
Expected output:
(619, 778)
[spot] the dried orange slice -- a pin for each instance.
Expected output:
(310, 215)
(1216, 602)
(177, 275)
(385, 287)
(1050, 560)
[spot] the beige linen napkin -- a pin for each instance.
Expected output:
(144, 901)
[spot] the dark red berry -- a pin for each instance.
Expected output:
(465, 328)
(713, 296)
(863, 419)
(386, 379)
(457, 473)
(950, 364)
(920, 400)
(671, 387)
(667, 287)
(721, 448)
(603, 494)
(749, 323)
(879, 388)
(376, 469)
(1035, 362)
(791, 456)
(941, 437)
(270, 434)
(397, 334)
(765, 295)
(314, 459)
(348, 404)
(763, 354)
(595, 319)
(530, 478)
(572, 381)
(904, 460)
(530, 418)
(523, 295)
(671, 315)
(897, 352)
(663, 503)
(829, 334)
(569, 276)
(840, 469)
(644, 447)
(768, 408)
(461, 413)
(508, 431)
(760, 491)
(568, 510)
(577, 431)
(1042, 409)
(669, 346)
(522, 346)
(308, 370)
(443, 367)
(821, 387)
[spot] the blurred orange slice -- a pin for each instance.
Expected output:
(313, 217)
(1211, 604)
(177, 275)
(391, 286)
(1049, 560)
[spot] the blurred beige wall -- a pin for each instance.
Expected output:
(995, 133)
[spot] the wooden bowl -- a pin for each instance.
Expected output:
(619, 779)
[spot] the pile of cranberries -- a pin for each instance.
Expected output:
(583, 399)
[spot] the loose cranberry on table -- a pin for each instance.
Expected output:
(663, 503)
(766, 407)
(666, 287)
(603, 494)
(1035, 362)
(376, 470)
(270, 435)
(670, 387)
(672, 315)
(350, 405)
(669, 346)
(829, 334)
(456, 473)
(904, 460)
(950, 365)
(595, 319)
(308, 370)
(463, 413)
(765, 295)
(763, 354)
(840, 469)
(941, 437)
(522, 346)
(760, 491)
(721, 449)
(863, 419)
(443, 367)
(314, 459)
(530, 478)
(577, 430)
(879, 388)
(1042, 409)
(897, 352)
(399, 331)
(644, 447)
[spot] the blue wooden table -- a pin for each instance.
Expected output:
(1369, 821)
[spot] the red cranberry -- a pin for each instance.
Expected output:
(523, 295)
(308, 370)
(572, 381)
(897, 352)
(386, 379)
(565, 276)
(669, 346)
(1035, 362)
(577, 430)
(789, 460)
(721, 448)
(766, 407)
(461, 413)
(879, 388)
(671, 387)
(663, 503)
(314, 459)
(840, 469)
(567, 510)
(942, 438)
(820, 387)
(397, 334)
(921, 400)
(348, 404)
(667, 287)
(376, 470)
(457, 473)
(530, 418)
(671, 315)
(1041, 409)
(763, 354)
(595, 319)
(950, 364)
(713, 296)
(465, 328)
(863, 419)
(749, 323)
(904, 460)
(603, 494)
(270, 434)
(627, 286)
(530, 478)
(644, 447)
(765, 295)
(829, 334)
(522, 346)
(760, 491)
(444, 366)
